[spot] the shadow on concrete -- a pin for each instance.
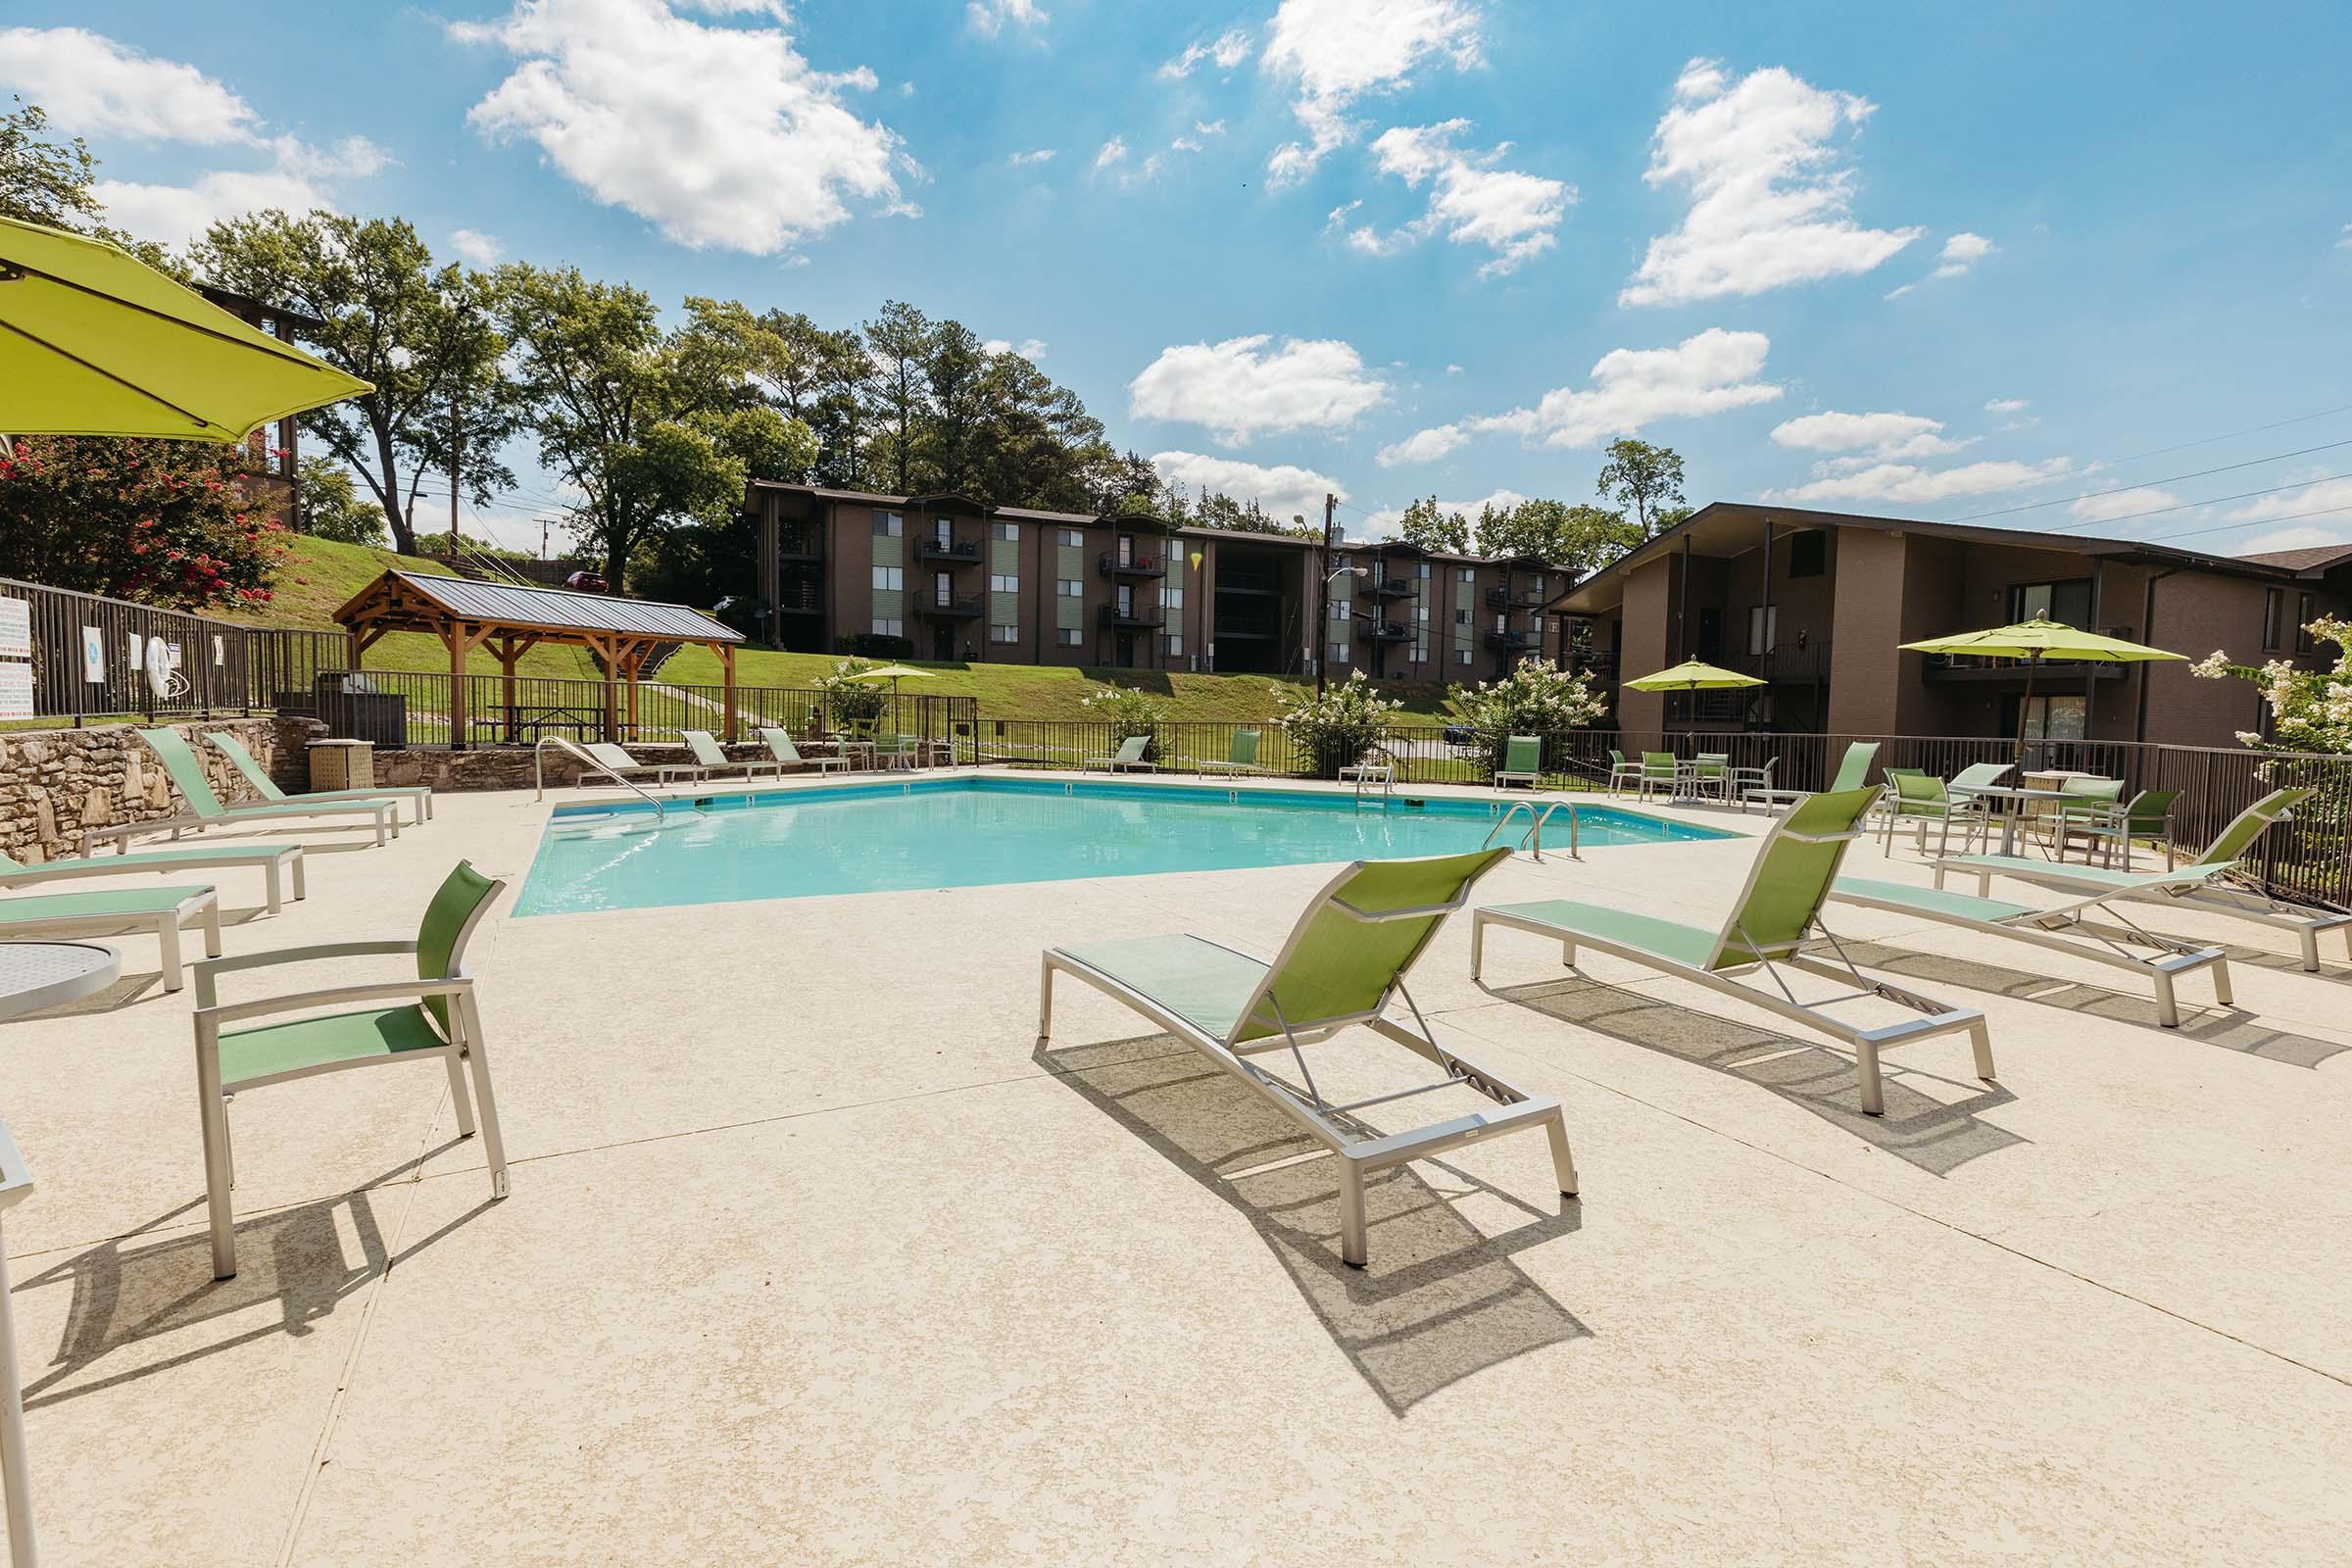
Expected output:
(1441, 1299)
(1937, 1136)
(2230, 1028)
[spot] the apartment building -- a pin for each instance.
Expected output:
(1814, 603)
(962, 579)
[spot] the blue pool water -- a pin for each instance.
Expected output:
(968, 832)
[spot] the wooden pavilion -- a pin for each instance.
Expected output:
(513, 618)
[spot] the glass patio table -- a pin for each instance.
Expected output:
(2017, 796)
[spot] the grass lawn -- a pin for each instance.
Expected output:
(320, 577)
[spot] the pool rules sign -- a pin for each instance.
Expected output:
(16, 658)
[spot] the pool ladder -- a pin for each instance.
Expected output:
(1533, 838)
(588, 764)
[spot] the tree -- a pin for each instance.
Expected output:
(43, 180)
(1425, 525)
(900, 339)
(1579, 537)
(822, 382)
(1642, 478)
(328, 506)
(618, 409)
(159, 521)
(426, 339)
(2311, 709)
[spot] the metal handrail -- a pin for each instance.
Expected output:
(1535, 826)
(539, 771)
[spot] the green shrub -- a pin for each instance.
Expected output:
(1337, 728)
(1538, 698)
(1129, 713)
(849, 703)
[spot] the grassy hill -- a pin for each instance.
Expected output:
(320, 577)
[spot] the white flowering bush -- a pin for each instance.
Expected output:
(2311, 707)
(1538, 698)
(1336, 729)
(852, 704)
(1128, 712)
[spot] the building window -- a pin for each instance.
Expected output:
(2273, 611)
(889, 628)
(1001, 583)
(1073, 538)
(1175, 645)
(1069, 588)
(2306, 612)
(1066, 636)
(1339, 652)
(1171, 597)
(1003, 531)
(1461, 617)
(1339, 611)
(2066, 601)
(889, 578)
(1461, 655)
(1468, 576)
(1763, 627)
(942, 593)
(1808, 554)
(1004, 634)
(2048, 718)
(889, 525)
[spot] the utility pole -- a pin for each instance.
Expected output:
(1322, 642)
(456, 447)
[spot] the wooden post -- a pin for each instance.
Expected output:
(610, 649)
(454, 635)
(359, 648)
(508, 653)
(634, 657)
(726, 663)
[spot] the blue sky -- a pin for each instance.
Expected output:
(1939, 261)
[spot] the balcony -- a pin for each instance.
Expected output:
(1968, 667)
(1515, 598)
(1131, 618)
(799, 544)
(1111, 565)
(1506, 642)
(1601, 667)
(1396, 587)
(967, 608)
(1387, 632)
(947, 551)
(798, 602)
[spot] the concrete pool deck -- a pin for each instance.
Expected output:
(816, 1255)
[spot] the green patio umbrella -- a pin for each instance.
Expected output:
(2033, 641)
(94, 342)
(893, 673)
(1692, 677)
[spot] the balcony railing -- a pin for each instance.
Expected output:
(953, 552)
(1131, 617)
(1396, 587)
(1506, 642)
(966, 608)
(1387, 632)
(799, 544)
(1601, 667)
(1516, 599)
(798, 602)
(1111, 565)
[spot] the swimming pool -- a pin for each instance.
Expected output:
(970, 831)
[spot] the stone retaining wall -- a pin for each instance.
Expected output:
(56, 783)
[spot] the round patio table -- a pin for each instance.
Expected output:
(2018, 798)
(33, 975)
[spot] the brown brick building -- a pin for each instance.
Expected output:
(1814, 603)
(960, 579)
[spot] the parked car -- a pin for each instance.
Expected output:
(587, 583)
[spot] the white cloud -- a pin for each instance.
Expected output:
(1881, 435)
(299, 178)
(1228, 50)
(2327, 494)
(1208, 128)
(1336, 51)
(1708, 372)
(991, 17)
(1386, 522)
(1423, 446)
(475, 248)
(722, 135)
(1114, 151)
(1031, 349)
(1453, 369)
(1471, 201)
(1769, 192)
(2005, 405)
(92, 85)
(2112, 504)
(1284, 489)
(1238, 391)
(1911, 485)
(2344, 242)
(1960, 253)
(1036, 155)
(2305, 538)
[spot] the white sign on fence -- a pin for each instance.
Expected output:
(138, 653)
(15, 691)
(94, 655)
(15, 630)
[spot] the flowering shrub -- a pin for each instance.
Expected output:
(1128, 712)
(853, 704)
(2311, 707)
(1538, 698)
(159, 521)
(1336, 729)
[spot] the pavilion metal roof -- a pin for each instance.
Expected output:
(514, 604)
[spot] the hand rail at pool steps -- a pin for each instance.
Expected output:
(1536, 822)
(587, 763)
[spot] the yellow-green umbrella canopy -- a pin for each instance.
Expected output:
(94, 342)
(894, 673)
(2034, 641)
(1692, 677)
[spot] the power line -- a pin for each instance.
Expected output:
(2224, 528)
(2300, 418)
(2227, 468)
(2192, 505)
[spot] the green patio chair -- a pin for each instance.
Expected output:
(1659, 771)
(781, 747)
(432, 1016)
(2213, 881)
(2147, 815)
(1343, 964)
(1921, 799)
(160, 911)
(1621, 771)
(1853, 771)
(617, 761)
(1774, 915)
(1709, 770)
(419, 796)
(279, 864)
(1130, 754)
(2086, 801)
(205, 810)
(897, 752)
(1522, 758)
(1241, 755)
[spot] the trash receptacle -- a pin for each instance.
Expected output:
(342, 764)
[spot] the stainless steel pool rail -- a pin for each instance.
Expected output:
(1533, 838)
(587, 763)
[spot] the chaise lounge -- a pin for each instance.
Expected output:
(205, 810)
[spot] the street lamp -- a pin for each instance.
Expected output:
(1323, 629)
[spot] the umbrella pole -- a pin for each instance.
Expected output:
(2024, 707)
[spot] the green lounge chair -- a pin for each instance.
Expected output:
(787, 754)
(1622, 771)
(1853, 771)
(1522, 758)
(160, 910)
(1343, 964)
(418, 797)
(617, 761)
(1776, 913)
(2054, 929)
(713, 757)
(2147, 815)
(279, 865)
(1974, 777)
(433, 1016)
(1129, 755)
(2212, 881)
(1658, 772)
(892, 752)
(1241, 755)
(205, 810)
